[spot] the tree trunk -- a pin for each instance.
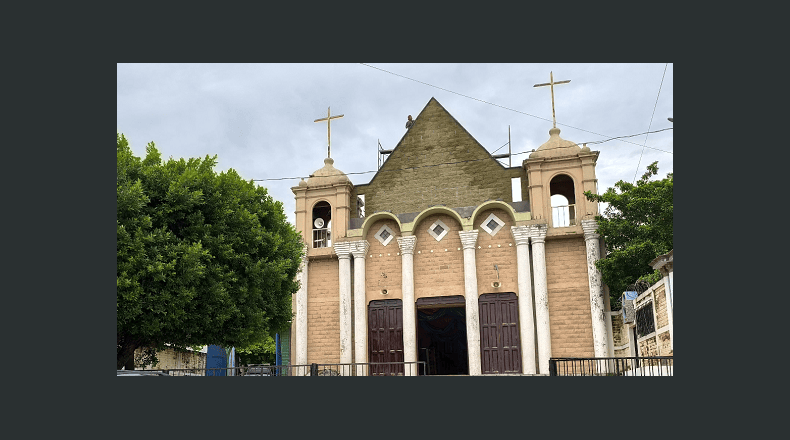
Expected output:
(125, 356)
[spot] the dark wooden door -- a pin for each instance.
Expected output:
(499, 333)
(385, 336)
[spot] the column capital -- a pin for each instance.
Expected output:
(407, 243)
(343, 250)
(521, 234)
(468, 238)
(589, 227)
(538, 233)
(359, 248)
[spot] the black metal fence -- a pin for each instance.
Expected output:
(351, 369)
(621, 366)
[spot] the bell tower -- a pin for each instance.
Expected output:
(323, 204)
(559, 173)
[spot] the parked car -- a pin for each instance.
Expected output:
(141, 373)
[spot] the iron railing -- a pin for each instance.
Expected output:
(322, 238)
(621, 366)
(349, 369)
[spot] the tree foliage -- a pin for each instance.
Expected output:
(637, 227)
(203, 258)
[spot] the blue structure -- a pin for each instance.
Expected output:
(216, 357)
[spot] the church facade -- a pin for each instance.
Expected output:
(434, 261)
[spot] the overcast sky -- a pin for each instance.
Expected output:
(258, 118)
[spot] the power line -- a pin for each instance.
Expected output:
(453, 163)
(506, 108)
(651, 122)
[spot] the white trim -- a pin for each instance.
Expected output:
(445, 230)
(497, 220)
(388, 239)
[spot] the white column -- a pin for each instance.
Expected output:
(538, 236)
(667, 272)
(527, 321)
(406, 245)
(468, 241)
(343, 251)
(596, 292)
(359, 251)
(300, 357)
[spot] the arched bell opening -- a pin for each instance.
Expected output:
(322, 225)
(563, 201)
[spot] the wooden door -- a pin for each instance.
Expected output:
(499, 333)
(385, 336)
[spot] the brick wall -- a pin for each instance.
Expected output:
(569, 298)
(385, 260)
(662, 319)
(436, 138)
(619, 331)
(323, 312)
(664, 344)
(648, 347)
(441, 272)
(500, 250)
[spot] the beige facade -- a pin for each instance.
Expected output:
(653, 335)
(438, 186)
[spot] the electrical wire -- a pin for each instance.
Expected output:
(651, 123)
(500, 106)
(452, 163)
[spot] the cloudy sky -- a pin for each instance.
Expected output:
(258, 118)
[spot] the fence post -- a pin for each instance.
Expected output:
(314, 369)
(552, 367)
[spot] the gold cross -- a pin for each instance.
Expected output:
(551, 77)
(328, 120)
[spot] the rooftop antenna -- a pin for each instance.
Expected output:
(381, 154)
(503, 155)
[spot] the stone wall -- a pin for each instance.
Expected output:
(569, 298)
(438, 265)
(436, 138)
(323, 312)
(500, 250)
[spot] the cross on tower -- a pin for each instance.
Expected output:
(551, 83)
(328, 120)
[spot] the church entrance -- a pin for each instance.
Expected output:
(500, 345)
(385, 336)
(441, 335)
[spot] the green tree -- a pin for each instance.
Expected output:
(203, 258)
(263, 352)
(637, 227)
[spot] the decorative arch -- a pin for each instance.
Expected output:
(373, 218)
(494, 204)
(438, 210)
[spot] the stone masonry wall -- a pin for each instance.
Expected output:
(619, 331)
(500, 250)
(441, 272)
(569, 298)
(662, 319)
(323, 312)
(436, 138)
(383, 264)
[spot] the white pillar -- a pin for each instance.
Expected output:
(406, 245)
(538, 236)
(343, 251)
(359, 251)
(596, 292)
(525, 306)
(468, 241)
(300, 357)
